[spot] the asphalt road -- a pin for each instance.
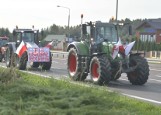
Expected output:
(150, 92)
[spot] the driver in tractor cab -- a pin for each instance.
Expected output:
(99, 36)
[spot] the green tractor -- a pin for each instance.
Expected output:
(102, 56)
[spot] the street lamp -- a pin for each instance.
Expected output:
(68, 17)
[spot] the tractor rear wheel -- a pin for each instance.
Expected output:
(74, 66)
(141, 73)
(100, 70)
(115, 71)
(23, 61)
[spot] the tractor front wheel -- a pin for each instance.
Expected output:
(100, 70)
(140, 75)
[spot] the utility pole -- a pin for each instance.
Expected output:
(116, 9)
(116, 18)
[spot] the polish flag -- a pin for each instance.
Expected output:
(21, 49)
(129, 47)
(116, 49)
(49, 45)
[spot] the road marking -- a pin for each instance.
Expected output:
(59, 59)
(154, 69)
(155, 80)
(141, 98)
(55, 68)
(157, 75)
(55, 61)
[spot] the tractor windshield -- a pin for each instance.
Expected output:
(3, 42)
(108, 33)
(28, 36)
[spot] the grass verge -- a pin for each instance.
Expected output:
(26, 94)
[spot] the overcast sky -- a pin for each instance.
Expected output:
(44, 13)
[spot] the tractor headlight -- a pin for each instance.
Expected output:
(118, 55)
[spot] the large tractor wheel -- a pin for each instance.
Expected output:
(47, 65)
(115, 71)
(100, 70)
(74, 66)
(23, 61)
(1, 57)
(8, 56)
(141, 73)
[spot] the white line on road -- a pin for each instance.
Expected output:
(55, 68)
(155, 80)
(141, 98)
(154, 69)
(55, 61)
(158, 75)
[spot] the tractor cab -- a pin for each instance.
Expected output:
(99, 32)
(99, 35)
(3, 41)
(26, 35)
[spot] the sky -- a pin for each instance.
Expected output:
(44, 13)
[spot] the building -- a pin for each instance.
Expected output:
(60, 41)
(149, 30)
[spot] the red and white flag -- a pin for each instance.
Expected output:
(129, 47)
(116, 49)
(21, 49)
(49, 45)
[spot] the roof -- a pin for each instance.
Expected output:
(24, 30)
(55, 37)
(4, 38)
(155, 23)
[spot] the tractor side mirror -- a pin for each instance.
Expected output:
(84, 29)
(14, 33)
(130, 30)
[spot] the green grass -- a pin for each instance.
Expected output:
(26, 94)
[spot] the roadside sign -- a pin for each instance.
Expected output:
(38, 54)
